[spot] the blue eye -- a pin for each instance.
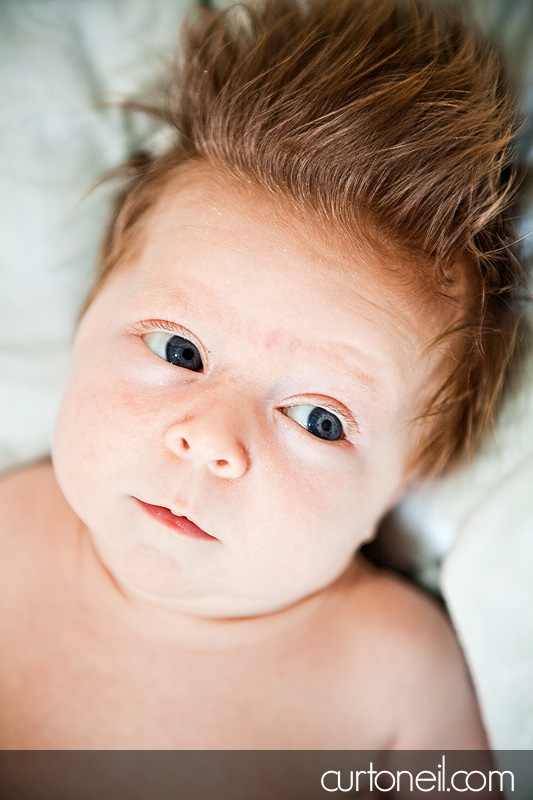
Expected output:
(175, 349)
(317, 420)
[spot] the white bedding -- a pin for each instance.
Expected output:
(480, 522)
(60, 59)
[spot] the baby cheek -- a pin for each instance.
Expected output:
(345, 505)
(322, 506)
(93, 420)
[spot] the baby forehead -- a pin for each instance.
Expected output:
(227, 253)
(223, 235)
(200, 201)
(203, 204)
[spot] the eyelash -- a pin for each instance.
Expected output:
(147, 325)
(150, 325)
(350, 426)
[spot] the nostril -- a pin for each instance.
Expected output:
(185, 444)
(221, 462)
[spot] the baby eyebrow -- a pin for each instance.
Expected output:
(350, 364)
(342, 357)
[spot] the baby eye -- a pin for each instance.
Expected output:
(175, 349)
(318, 421)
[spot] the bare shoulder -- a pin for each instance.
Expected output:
(28, 489)
(415, 656)
(32, 510)
(38, 474)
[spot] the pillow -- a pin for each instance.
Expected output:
(480, 519)
(59, 63)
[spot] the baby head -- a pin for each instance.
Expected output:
(307, 302)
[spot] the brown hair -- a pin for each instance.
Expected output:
(382, 116)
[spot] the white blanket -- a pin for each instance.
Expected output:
(60, 60)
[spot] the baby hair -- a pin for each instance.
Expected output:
(391, 120)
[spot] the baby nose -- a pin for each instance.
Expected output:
(208, 441)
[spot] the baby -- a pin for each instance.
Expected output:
(305, 305)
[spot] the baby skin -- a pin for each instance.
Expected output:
(234, 427)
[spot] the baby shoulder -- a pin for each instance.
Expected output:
(30, 509)
(415, 655)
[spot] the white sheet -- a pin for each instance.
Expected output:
(58, 61)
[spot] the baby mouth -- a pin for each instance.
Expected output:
(179, 524)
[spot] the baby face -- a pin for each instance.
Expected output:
(235, 421)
